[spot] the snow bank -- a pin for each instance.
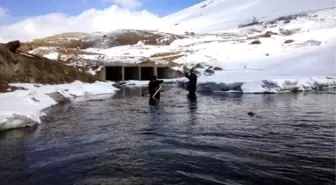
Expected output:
(272, 85)
(305, 70)
(52, 56)
(219, 15)
(23, 108)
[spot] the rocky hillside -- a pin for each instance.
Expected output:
(128, 37)
(17, 66)
(63, 40)
(101, 40)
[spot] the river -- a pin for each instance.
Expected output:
(121, 139)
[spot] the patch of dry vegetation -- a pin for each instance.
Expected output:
(26, 68)
(172, 58)
(66, 36)
(41, 43)
(64, 40)
(168, 56)
(164, 54)
(129, 37)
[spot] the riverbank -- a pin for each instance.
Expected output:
(23, 108)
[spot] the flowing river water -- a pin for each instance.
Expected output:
(121, 139)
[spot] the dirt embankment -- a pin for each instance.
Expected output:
(16, 66)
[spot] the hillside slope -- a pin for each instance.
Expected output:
(286, 44)
(218, 15)
(23, 67)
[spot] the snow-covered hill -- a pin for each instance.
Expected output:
(219, 15)
(257, 40)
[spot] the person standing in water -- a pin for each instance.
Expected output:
(153, 85)
(192, 84)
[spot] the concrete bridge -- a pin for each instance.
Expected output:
(140, 71)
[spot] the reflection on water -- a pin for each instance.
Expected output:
(207, 139)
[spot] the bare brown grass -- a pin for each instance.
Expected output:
(164, 54)
(15, 67)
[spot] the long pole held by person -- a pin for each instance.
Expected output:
(158, 90)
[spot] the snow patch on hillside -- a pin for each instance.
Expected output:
(219, 15)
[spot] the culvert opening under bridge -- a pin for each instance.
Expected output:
(113, 73)
(146, 73)
(124, 73)
(131, 73)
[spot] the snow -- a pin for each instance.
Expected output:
(52, 56)
(218, 15)
(26, 54)
(306, 69)
(308, 63)
(126, 54)
(94, 72)
(23, 108)
(47, 52)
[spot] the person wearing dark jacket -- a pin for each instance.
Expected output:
(153, 86)
(192, 84)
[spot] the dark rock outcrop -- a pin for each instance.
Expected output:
(254, 21)
(288, 41)
(13, 46)
(256, 42)
(288, 31)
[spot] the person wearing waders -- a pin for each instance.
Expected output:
(192, 84)
(153, 86)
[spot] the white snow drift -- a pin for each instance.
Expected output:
(25, 107)
(220, 15)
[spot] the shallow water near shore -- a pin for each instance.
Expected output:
(121, 139)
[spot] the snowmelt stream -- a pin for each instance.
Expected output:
(210, 140)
